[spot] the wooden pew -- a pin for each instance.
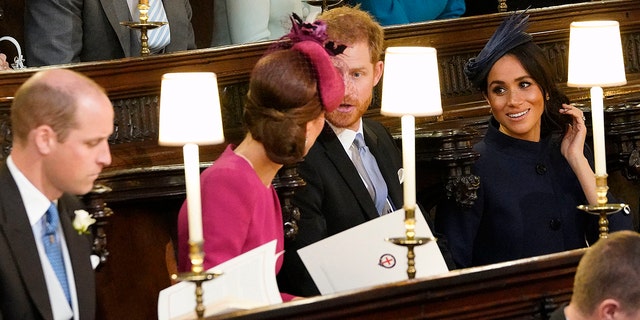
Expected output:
(148, 182)
(523, 289)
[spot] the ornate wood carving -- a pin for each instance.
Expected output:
(287, 181)
(622, 133)
(5, 134)
(97, 207)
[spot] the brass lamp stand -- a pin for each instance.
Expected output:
(502, 6)
(197, 275)
(143, 26)
(410, 241)
(603, 209)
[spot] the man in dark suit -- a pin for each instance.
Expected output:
(69, 31)
(336, 197)
(61, 121)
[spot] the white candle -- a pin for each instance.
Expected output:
(409, 160)
(597, 125)
(192, 182)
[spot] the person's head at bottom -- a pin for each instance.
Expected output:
(607, 281)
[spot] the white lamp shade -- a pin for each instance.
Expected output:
(190, 109)
(411, 84)
(595, 54)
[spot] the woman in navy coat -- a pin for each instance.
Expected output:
(534, 166)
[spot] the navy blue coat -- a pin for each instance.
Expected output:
(527, 204)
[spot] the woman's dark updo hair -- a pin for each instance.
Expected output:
(282, 98)
(535, 62)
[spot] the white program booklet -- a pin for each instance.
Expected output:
(247, 281)
(361, 257)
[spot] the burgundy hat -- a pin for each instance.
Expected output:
(330, 82)
(310, 38)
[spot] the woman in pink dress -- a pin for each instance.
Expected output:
(290, 89)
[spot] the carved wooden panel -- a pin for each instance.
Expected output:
(5, 134)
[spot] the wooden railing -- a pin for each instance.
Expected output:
(147, 180)
(524, 289)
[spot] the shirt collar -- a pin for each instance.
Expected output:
(346, 136)
(35, 202)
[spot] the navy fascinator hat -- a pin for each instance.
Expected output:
(510, 34)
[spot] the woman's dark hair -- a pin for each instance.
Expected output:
(535, 62)
(282, 98)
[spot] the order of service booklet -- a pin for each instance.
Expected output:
(247, 281)
(360, 257)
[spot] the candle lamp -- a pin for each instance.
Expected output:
(410, 88)
(596, 61)
(190, 116)
(144, 25)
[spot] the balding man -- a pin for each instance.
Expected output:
(607, 281)
(61, 121)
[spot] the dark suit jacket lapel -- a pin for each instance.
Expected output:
(336, 154)
(79, 247)
(14, 223)
(116, 12)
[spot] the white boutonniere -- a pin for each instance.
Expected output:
(82, 221)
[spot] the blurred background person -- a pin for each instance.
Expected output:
(244, 21)
(67, 31)
(4, 65)
(410, 11)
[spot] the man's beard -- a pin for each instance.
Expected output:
(346, 120)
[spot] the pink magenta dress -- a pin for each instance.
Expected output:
(239, 213)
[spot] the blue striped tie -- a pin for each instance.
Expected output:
(376, 185)
(53, 249)
(159, 37)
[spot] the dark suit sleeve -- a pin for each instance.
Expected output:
(182, 35)
(190, 36)
(53, 32)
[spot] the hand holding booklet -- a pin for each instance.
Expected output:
(361, 257)
(247, 281)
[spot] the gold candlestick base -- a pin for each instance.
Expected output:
(197, 275)
(410, 244)
(143, 26)
(144, 38)
(410, 241)
(603, 208)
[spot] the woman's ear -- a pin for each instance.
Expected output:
(486, 98)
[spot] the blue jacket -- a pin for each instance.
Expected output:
(408, 11)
